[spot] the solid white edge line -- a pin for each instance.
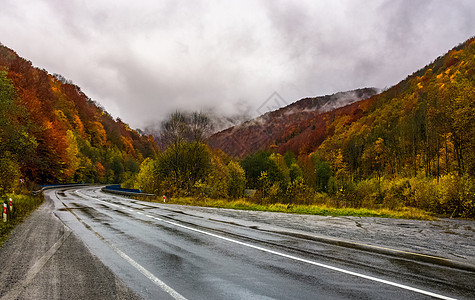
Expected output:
(139, 267)
(406, 287)
(372, 278)
(147, 273)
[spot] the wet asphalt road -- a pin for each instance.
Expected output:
(168, 251)
(43, 259)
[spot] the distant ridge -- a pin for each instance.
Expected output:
(431, 108)
(281, 125)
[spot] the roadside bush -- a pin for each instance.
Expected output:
(320, 198)
(275, 194)
(236, 180)
(300, 193)
(171, 186)
(397, 192)
(423, 194)
(147, 179)
(370, 191)
(257, 164)
(217, 179)
(129, 180)
(456, 196)
(332, 186)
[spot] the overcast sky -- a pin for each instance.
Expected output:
(144, 59)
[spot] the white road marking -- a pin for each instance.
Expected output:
(406, 287)
(372, 278)
(135, 264)
(18, 288)
(147, 273)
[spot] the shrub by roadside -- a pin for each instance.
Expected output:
(316, 209)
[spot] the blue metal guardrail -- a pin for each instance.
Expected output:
(116, 189)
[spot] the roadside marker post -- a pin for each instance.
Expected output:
(11, 205)
(163, 198)
(4, 212)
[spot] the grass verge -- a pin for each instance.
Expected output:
(23, 206)
(322, 210)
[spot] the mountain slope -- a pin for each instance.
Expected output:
(281, 125)
(424, 124)
(50, 131)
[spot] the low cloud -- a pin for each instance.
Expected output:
(142, 60)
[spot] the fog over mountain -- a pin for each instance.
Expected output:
(283, 124)
(142, 59)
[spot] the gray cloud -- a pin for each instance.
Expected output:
(143, 59)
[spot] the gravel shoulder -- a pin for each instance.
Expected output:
(42, 259)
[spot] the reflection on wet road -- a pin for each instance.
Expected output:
(165, 251)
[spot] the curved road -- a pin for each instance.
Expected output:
(171, 252)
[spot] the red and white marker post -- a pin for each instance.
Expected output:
(163, 198)
(4, 212)
(11, 205)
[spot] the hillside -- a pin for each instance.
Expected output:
(50, 131)
(409, 148)
(280, 126)
(424, 123)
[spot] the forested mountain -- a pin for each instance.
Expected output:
(409, 147)
(50, 131)
(278, 127)
(424, 123)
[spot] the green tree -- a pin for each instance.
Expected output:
(148, 179)
(323, 172)
(117, 166)
(289, 158)
(15, 143)
(217, 179)
(236, 180)
(254, 165)
(282, 177)
(295, 172)
(308, 170)
(185, 164)
(9, 173)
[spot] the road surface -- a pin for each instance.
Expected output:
(161, 251)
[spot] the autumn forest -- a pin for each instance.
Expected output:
(411, 146)
(51, 132)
